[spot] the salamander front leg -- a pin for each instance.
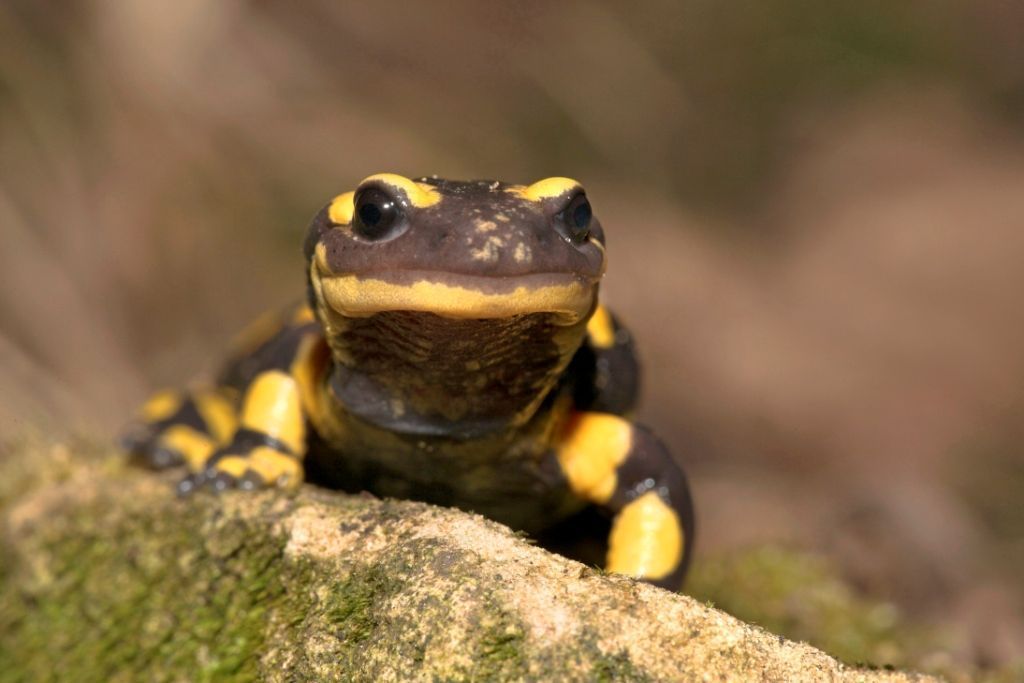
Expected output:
(268, 447)
(606, 367)
(625, 469)
(181, 428)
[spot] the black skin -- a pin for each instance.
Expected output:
(480, 428)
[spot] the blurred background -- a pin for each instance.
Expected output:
(815, 213)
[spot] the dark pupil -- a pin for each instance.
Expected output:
(370, 214)
(581, 215)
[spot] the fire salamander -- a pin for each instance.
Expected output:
(452, 350)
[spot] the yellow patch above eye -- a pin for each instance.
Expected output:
(341, 208)
(420, 195)
(547, 188)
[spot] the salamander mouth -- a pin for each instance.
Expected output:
(567, 298)
(424, 352)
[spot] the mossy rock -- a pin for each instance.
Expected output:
(106, 575)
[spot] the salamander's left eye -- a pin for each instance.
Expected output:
(377, 215)
(576, 217)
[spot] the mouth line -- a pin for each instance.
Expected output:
(567, 297)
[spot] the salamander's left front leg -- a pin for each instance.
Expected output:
(625, 469)
(269, 444)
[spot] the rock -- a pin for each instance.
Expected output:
(106, 575)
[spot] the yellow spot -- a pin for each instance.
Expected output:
(522, 253)
(273, 406)
(490, 251)
(341, 208)
(502, 217)
(592, 447)
(547, 188)
(353, 296)
(485, 226)
(194, 446)
(601, 329)
(161, 405)
(219, 414)
(646, 539)
(420, 195)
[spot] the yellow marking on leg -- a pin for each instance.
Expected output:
(193, 445)
(601, 329)
(592, 447)
(161, 405)
(546, 189)
(273, 406)
(235, 465)
(275, 467)
(218, 412)
(303, 315)
(256, 333)
(646, 539)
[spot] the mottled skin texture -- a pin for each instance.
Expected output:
(452, 350)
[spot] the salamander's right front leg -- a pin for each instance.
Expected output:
(268, 446)
(181, 428)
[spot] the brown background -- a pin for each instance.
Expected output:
(815, 212)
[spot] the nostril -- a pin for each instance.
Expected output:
(441, 238)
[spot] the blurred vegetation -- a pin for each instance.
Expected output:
(802, 596)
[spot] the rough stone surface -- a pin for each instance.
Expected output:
(105, 575)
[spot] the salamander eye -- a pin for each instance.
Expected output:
(377, 215)
(576, 217)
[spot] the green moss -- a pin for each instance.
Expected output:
(616, 667)
(499, 652)
(350, 607)
(800, 596)
(109, 596)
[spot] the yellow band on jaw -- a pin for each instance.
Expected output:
(355, 296)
